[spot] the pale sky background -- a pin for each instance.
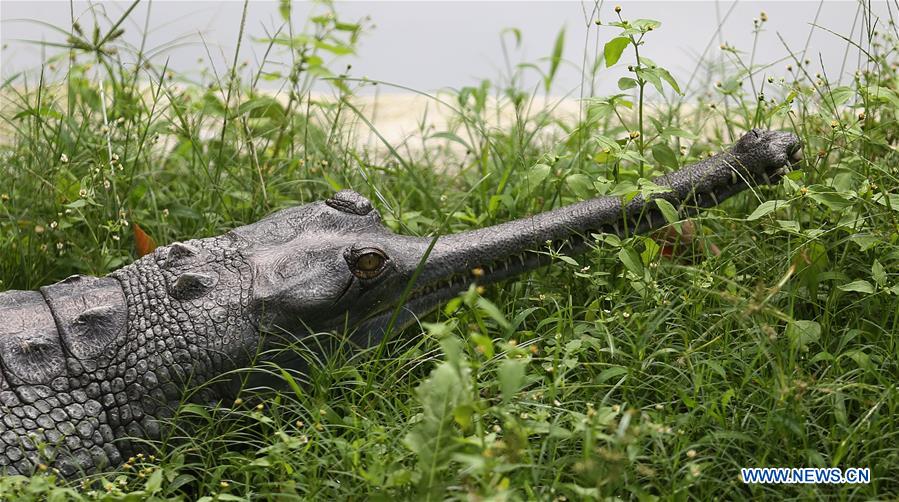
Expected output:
(433, 45)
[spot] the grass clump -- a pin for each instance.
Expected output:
(620, 373)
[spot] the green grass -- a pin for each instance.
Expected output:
(619, 373)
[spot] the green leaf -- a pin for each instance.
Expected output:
(284, 9)
(294, 386)
(840, 95)
(677, 132)
(489, 308)
(803, 333)
(717, 368)
(76, 204)
(652, 76)
(862, 359)
(229, 497)
(837, 201)
(515, 33)
(648, 188)
(510, 375)
(195, 409)
(484, 343)
(555, 60)
(613, 50)
(860, 286)
(349, 27)
(580, 184)
(668, 211)
(338, 49)
(625, 83)
(433, 438)
(610, 373)
(766, 208)
(447, 135)
(154, 483)
(535, 176)
(666, 76)
(261, 106)
(878, 273)
(261, 462)
(631, 260)
(865, 241)
(664, 155)
(44, 111)
(726, 397)
(645, 25)
(452, 305)
(891, 200)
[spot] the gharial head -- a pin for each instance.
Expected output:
(326, 265)
(333, 265)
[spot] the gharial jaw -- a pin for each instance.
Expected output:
(495, 253)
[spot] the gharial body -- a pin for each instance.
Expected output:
(88, 363)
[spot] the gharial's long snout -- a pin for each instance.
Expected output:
(494, 253)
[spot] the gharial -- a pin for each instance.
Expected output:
(89, 362)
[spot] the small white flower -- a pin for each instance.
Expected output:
(64, 158)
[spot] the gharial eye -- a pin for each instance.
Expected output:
(367, 263)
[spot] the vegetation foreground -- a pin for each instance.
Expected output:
(763, 335)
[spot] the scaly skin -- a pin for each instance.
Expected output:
(82, 383)
(91, 364)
